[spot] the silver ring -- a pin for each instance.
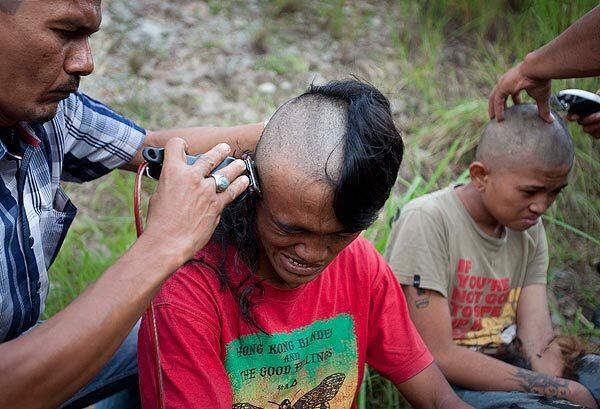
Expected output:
(221, 181)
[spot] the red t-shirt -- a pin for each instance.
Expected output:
(319, 337)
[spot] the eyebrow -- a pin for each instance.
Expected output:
(536, 187)
(298, 229)
(76, 25)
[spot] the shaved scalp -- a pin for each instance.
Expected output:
(524, 138)
(9, 6)
(307, 134)
(341, 133)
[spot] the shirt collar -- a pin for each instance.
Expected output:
(25, 133)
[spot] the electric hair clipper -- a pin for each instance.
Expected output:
(155, 157)
(576, 101)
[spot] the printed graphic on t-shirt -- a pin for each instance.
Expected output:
(481, 307)
(310, 367)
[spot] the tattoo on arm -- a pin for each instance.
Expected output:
(422, 298)
(541, 384)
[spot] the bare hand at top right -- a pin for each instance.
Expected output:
(511, 84)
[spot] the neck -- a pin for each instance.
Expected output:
(471, 199)
(6, 121)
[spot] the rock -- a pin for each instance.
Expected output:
(286, 85)
(267, 88)
(149, 32)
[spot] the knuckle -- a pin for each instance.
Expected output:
(210, 161)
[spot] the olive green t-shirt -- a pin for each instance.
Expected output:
(436, 239)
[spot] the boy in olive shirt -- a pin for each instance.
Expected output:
(472, 260)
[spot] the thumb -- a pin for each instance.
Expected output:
(544, 110)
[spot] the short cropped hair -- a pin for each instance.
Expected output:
(523, 137)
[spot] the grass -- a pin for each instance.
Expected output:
(445, 56)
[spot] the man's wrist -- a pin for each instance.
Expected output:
(530, 67)
(161, 254)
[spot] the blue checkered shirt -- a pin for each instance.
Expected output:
(84, 141)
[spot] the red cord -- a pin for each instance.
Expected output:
(150, 318)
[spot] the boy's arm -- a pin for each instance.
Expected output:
(429, 389)
(473, 370)
(534, 330)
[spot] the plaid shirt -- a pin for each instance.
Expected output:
(84, 141)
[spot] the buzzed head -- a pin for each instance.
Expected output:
(524, 138)
(341, 133)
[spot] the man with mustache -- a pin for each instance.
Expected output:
(49, 132)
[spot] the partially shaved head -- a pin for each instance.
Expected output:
(524, 138)
(307, 134)
(341, 133)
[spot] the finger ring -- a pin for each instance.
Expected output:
(221, 181)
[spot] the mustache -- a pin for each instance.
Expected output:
(70, 86)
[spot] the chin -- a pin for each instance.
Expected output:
(519, 225)
(45, 114)
(40, 113)
(292, 280)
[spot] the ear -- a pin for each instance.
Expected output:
(479, 173)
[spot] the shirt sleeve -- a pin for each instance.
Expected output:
(418, 246)
(97, 139)
(537, 266)
(395, 348)
(193, 373)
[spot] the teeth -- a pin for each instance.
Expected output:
(295, 263)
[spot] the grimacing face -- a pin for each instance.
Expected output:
(297, 229)
(518, 197)
(45, 51)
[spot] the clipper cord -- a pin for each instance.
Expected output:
(150, 318)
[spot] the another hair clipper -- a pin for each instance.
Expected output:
(155, 157)
(576, 101)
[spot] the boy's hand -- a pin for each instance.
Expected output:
(590, 123)
(511, 84)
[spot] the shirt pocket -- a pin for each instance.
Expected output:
(54, 224)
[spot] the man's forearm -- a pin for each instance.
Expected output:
(241, 138)
(477, 371)
(71, 347)
(573, 54)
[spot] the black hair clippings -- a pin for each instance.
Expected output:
(155, 157)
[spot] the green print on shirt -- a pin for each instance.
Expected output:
(312, 365)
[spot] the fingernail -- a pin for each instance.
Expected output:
(245, 179)
(225, 147)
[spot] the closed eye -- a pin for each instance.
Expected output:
(285, 229)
